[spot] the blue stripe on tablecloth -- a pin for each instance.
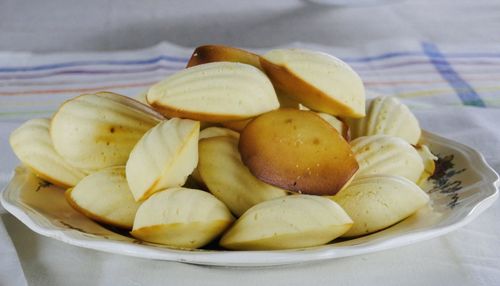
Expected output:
(383, 56)
(183, 60)
(96, 62)
(467, 94)
(170, 59)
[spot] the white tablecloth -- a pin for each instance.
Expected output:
(451, 83)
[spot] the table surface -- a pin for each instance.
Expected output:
(56, 26)
(60, 25)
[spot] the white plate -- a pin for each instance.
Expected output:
(466, 188)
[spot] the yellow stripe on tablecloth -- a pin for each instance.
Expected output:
(445, 91)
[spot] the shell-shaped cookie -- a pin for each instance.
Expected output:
(428, 160)
(287, 101)
(181, 217)
(376, 202)
(213, 132)
(226, 176)
(94, 131)
(219, 53)
(32, 144)
(214, 92)
(104, 196)
(387, 115)
(317, 80)
(387, 155)
(218, 131)
(289, 222)
(237, 125)
(336, 123)
(164, 157)
(298, 151)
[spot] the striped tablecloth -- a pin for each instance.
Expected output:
(454, 91)
(423, 74)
